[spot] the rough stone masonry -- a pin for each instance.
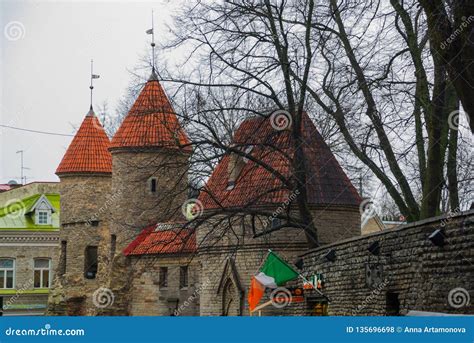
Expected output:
(404, 270)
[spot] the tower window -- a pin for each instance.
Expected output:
(153, 185)
(90, 262)
(163, 276)
(42, 272)
(183, 276)
(7, 273)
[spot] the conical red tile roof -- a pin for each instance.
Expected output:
(327, 183)
(88, 151)
(151, 122)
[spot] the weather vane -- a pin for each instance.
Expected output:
(93, 76)
(152, 33)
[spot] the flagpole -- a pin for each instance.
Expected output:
(152, 41)
(91, 87)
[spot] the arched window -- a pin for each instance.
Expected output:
(7, 273)
(42, 272)
(230, 301)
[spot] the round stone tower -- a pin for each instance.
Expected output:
(85, 174)
(150, 153)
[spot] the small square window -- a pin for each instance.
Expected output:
(43, 217)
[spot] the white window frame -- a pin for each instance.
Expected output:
(5, 270)
(41, 272)
(48, 217)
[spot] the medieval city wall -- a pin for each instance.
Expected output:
(409, 268)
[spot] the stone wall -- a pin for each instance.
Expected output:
(138, 207)
(85, 209)
(28, 190)
(230, 255)
(149, 299)
(409, 273)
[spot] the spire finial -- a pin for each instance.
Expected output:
(93, 76)
(152, 33)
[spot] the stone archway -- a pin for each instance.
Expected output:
(230, 290)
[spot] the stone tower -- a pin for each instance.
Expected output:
(85, 174)
(150, 154)
(230, 252)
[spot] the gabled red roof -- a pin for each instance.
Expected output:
(88, 151)
(257, 186)
(163, 238)
(151, 122)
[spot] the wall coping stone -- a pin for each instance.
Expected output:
(418, 223)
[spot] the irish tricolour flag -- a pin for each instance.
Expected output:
(274, 273)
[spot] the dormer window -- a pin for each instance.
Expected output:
(247, 151)
(42, 211)
(236, 164)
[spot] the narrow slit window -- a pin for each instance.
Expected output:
(90, 262)
(163, 276)
(153, 185)
(183, 276)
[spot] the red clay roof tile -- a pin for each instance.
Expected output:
(88, 151)
(151, 122)
(163, 238)
(257, 186)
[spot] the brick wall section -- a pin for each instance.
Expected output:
(421, 273)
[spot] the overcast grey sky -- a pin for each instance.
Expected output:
(46, 48)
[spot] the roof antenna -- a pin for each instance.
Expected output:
(93, 76)
(152, 33)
